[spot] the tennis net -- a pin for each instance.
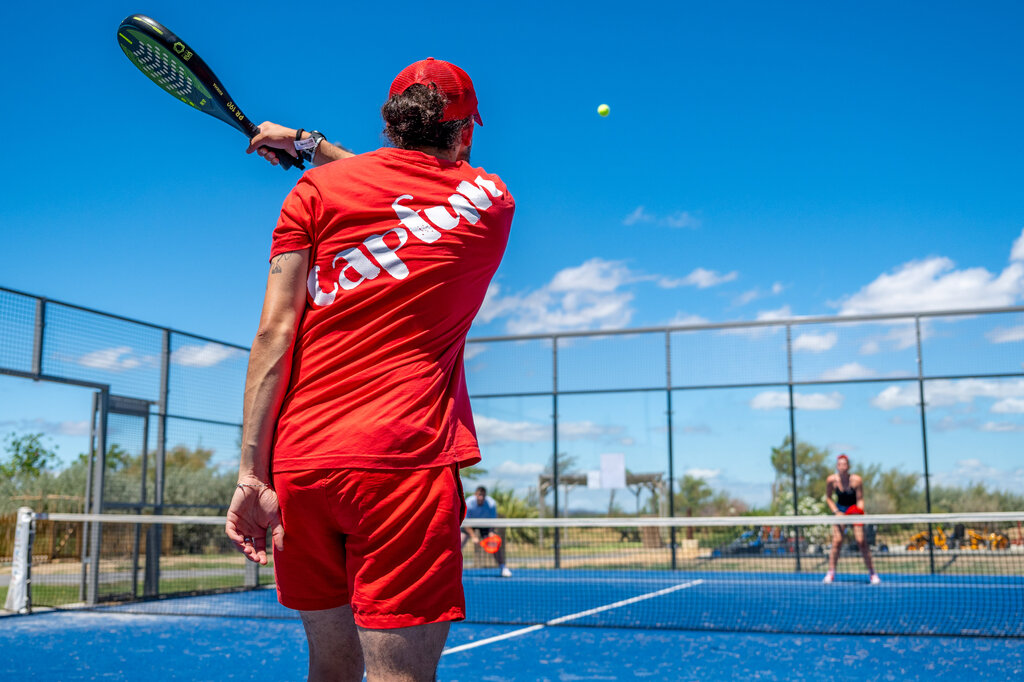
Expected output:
(940, 574)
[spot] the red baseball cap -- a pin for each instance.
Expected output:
(842, 457)
(450, 79)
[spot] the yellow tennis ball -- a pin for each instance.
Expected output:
(604, 110)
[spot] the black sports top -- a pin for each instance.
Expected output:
(845, 498)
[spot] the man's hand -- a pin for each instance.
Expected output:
(274, 140)
(252, 512)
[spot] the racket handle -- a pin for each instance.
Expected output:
(286, 160)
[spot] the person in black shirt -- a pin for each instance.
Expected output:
(848, 491)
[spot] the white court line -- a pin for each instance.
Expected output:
(573, 616)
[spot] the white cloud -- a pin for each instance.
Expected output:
(815, 343)
(639, 215)
(682, 219)
(519, 469)
(684, 320)
(756, 293)
(585, 429)
(678, 219)
(783, 313)
(207, 355)
(1006, 335)
(593, 295)
(945, 393)
(581, 297)
(870, 347)
(596, 274)
(935, 284)
(1017, 251)
(491, 430)
(975, 471)
(495, 305)
(119, 359)
(777, 400)
(700, 278)
(39, 425)
(851, 370)
(706, 474)
(1009, 406)
(473, 350)
(1002, 427)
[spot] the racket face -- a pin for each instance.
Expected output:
(491, 544)
(168, 61)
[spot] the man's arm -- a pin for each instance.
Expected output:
(270, 362)
(276, 139)
(254, 506)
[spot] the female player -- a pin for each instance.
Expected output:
(848, 490)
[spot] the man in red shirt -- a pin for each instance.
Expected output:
(357, 416)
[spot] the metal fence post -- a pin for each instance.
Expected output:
(671, 457)
(38, 337)
(924, 441)
(99, 473)
(554, 442)
(154, 537)
(792, 438)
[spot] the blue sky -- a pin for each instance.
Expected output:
(760, 160)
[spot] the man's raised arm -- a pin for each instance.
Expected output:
(274, 139)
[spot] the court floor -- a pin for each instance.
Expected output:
(86, 645)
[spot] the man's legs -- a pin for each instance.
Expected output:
(403, 654)
(334, 649)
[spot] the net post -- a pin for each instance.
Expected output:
(557, 537)
(19, 591)
(924, 441)
(252, 574)
(792, 440)
(671, 457)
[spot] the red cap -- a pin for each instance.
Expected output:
(450, 79)
(842, 457)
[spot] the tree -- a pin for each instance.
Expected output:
(471, 473)
(27, 456)
(566, 467)
(696, 497)
(813, 466)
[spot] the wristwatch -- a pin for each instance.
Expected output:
(307, 148)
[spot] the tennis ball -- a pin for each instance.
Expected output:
(604, 110)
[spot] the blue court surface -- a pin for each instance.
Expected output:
(657, 625)
(110, 646)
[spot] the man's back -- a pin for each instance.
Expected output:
(403, 247)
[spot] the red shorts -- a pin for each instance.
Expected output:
(386, 542)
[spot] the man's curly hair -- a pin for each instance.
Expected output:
(413, 119)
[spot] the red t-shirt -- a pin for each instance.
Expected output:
(403, 247)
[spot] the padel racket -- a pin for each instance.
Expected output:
(170, 63)
(854, 510)
(491, 544)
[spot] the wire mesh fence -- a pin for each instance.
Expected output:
(722, 419)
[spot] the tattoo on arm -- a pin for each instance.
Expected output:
(275, 263)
